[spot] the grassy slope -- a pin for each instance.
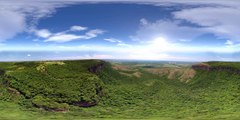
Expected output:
(210, 95)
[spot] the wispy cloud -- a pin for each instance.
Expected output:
(65, 36)
(43, 33)
(18, 16)
(78, 28)
(21, 16)
(220, 21)
(93, 33)
(117, 41)
(11, 23)
(113, 40)
(229, 42)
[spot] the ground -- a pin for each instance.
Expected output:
(142, 90)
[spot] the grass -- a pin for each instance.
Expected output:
(208, 95)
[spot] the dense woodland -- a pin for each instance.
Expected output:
(97, 89)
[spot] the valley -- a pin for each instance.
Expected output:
(97, 89)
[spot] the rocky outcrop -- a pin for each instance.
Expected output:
(85, 104)
(203, 66)
(96, 68)
(13, 91)
(226, 68)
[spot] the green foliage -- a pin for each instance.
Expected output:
(49, 104)
(54, 86)
(234, 65)
(57, 84)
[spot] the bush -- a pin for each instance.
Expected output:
(48, 104)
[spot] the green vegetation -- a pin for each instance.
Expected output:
(94, 89)
(52, 88)
(233, 65)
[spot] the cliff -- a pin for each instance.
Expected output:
(217, 67)
(96, 68)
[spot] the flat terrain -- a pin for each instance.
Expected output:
(95, 89)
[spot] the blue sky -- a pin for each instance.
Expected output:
(106, 29)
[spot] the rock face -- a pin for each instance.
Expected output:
(225, 68)
(85, 104)
(96, 68)
(203, 66)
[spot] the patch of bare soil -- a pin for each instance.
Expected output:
(187, 75)
(121, 67)
(183, 74)
(13, 91)
(137, 74)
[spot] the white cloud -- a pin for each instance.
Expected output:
(143, 21)
(221, 21)
(43, 33)
(63, 38)
(20, 16)
(229, 42)
(94, 33)
(158, 38)
(118, 42)
(113, 40)
(172, 30)
(11, 23)
(78, 28)
(66, 37)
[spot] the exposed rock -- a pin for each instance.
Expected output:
(137, 74)
(13, 91)
(187, 75)
(85, 104)
(201, 66)
(183, 74)
(207, 67)
(122, 68)
(96, 68)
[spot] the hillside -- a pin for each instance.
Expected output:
(97, 89)
(53, 85)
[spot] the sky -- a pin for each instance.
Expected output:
(175, 30)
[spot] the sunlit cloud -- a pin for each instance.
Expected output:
(172, 30)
